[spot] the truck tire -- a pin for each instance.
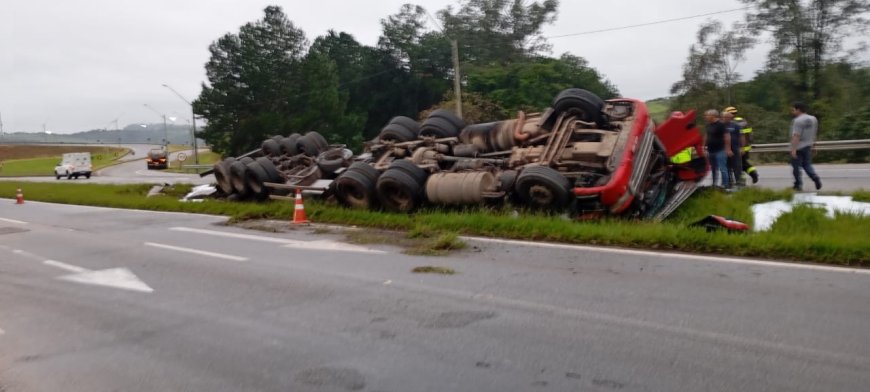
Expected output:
(332, 160)
(439, 128)
(407, 122)
(397, 133)
(411, 169)
(398, 191)
(449, 115)
(88, 175)
(543, 188)
(255, 176)
(307, 146)
(355, 189)
(238, 177)
(365, 168)
(271, 171)
(58, 176)
(270, 148)
(582, 103)
(288, 145)
(318, 139)
(222, 175)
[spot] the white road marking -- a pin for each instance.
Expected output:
(17, 222)
(65, 266)
(287, 243)
(197, 251)
(672, 256)
(119, 278)
(2, 331)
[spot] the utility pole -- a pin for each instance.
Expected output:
(456, 77)
(165, 129)
(193, 122)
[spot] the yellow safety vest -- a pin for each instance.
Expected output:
(684, 156)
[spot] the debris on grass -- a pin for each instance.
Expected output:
(428, 269)
(438, 246)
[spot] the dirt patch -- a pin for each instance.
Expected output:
(428, 269)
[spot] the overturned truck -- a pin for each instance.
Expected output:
(592, 157)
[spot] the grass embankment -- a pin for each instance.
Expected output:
(205, 158)
(34, 160)
(803, 235)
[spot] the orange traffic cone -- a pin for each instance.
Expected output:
(299, 214)
(19, 196)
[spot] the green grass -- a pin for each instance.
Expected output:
(802, 235)
(861, 195)
(44, 166)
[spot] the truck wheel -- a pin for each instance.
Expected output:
(270, 147)
(222, 175)
(355, 190)
(411, 169)
(288, 145)
(406, 122)
(398, 191)
(582, 103)
(307, 146)
(318, 139)
(69, 176)
(439, 128)
(449, 115)
(397, 133)
(237, 178)
(88, 175)
(58, 176)
(271, 171)
(255, 176)
(544, 188)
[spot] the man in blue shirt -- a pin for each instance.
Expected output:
(716, 138)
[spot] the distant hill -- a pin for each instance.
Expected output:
(133, 133)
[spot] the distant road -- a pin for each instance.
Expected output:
(133, 170)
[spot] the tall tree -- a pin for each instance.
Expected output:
(251, 78)
(499, 31)
(711, 67)
(807, 35)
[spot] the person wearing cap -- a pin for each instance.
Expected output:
(745, 142)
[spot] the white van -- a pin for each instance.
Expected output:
(73, 165)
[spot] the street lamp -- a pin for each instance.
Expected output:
(165, 130)
(193, 122)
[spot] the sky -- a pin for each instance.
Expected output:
(72, 66)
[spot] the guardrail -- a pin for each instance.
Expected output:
(825, 145)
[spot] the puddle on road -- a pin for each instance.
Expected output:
(767, 213)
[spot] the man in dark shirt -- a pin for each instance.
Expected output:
(716, 139)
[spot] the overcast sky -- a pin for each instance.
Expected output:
(78, 65)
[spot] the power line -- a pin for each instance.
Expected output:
(649, 23)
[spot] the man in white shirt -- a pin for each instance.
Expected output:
(804, 129)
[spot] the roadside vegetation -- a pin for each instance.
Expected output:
(205, 158)
(805, 234)
(36, 160)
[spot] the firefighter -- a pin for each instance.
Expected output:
(745, 142)
(685, 156)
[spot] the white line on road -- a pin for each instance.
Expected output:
(197, 251)
(287, 243)
(670, 255)
(17, 222)
(65, 266)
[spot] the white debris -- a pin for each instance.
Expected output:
(766, 214)
(199, 192)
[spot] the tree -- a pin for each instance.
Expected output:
(807, 35)
(499, 31)
(251, 78)
(532, 84)
(711, 67)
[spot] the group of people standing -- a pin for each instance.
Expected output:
(728, 140)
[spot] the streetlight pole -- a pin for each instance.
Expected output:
(193, 122)
(165, 129)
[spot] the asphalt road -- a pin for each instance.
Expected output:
(96, 299)
(133, 170)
